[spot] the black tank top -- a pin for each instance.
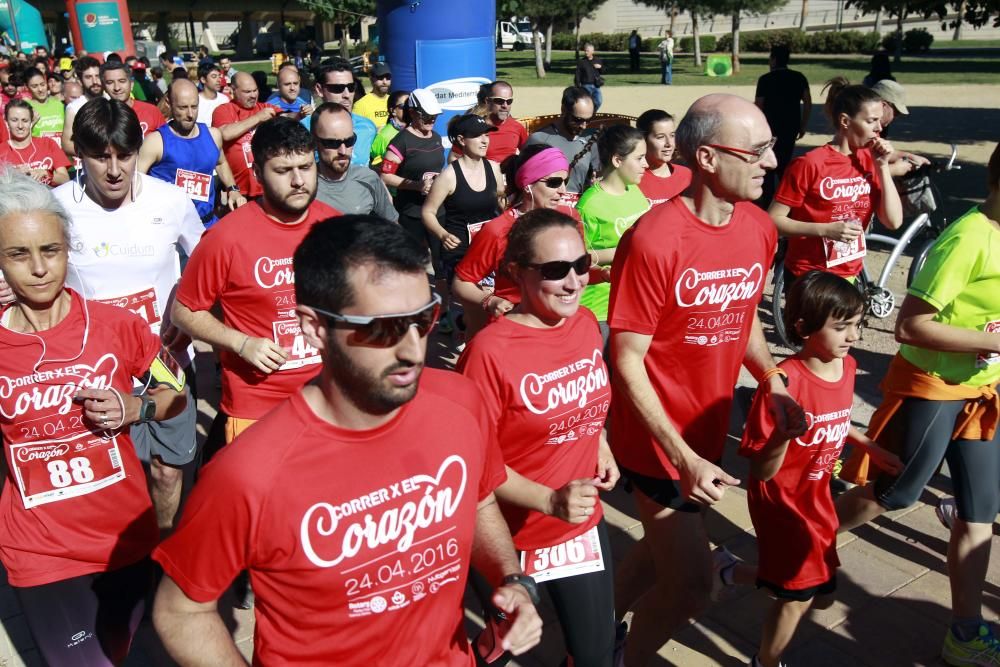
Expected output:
(467, 207)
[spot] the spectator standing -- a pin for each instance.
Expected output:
(589, 75)
(634, 48)
(666, 51)
(881, 69)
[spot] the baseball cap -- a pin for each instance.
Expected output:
(139, 66)
(423, 99)
(893, 93)
(380, 69)
(470, 125)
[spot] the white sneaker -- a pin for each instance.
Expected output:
(756, 663)
(946, 512)
(722, 560)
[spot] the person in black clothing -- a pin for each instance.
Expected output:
(589, 70)
(783, 95)
(881, 69)
(634, 46)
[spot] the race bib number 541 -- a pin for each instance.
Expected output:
(48, 471)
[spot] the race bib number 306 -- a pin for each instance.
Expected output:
(579, 555)
(48, 471)
(288, 334)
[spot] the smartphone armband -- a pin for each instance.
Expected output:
(165, 372)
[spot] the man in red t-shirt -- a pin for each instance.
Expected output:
(245, 266)
(117, 81)
(238, 120)
(683, 318)
(357, 510)
(510, 135)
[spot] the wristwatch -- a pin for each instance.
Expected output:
(147, 411)
(233, 188)
(525, 582)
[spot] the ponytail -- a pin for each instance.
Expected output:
(844, 98)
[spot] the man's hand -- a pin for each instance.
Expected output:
(703, 482)
(263, 354)
(173, 338)
(306, 110)
(499, 306)
(525, 629)
(233, 200)
(575, 502)
(267, 113)
(843, 230)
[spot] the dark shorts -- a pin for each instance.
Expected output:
(801, 594)
(174, 441)
(664, 492)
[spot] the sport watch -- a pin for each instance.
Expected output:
(233, 188)
(525, 582)
(147, 411)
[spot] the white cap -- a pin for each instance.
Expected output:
(423, 99)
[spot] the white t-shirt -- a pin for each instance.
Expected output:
(207, 107)
(128, 256)
(76, 104)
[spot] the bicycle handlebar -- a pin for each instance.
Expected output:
(938, 166)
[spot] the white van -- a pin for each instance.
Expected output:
(515, 34)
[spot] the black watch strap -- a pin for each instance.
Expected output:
(147, 411)
(525, 582)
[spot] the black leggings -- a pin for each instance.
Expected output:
(921, 431)
(87, 621)
(585, 607)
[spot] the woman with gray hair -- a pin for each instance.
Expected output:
(76, 518)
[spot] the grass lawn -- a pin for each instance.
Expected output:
(965, 43)
(519, 69)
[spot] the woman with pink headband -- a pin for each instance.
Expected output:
(539, 179)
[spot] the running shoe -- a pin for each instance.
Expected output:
(982, 651)
(946, 512)
(621, 635)
(723, 561)
(757, 663)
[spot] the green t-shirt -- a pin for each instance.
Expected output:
(381, 142)
(605, 218)
(51, 115)
(961, 279)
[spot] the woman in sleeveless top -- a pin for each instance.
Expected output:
(468, 188)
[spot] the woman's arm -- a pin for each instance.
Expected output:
(838, 231)
(444, 187)
(915, 326)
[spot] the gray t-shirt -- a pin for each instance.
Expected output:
(578, 176)
(360, 192)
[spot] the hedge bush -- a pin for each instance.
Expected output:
(709, 43)
(917, 40)
(846, 41)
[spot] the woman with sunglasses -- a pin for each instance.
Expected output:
(612, 205)
(828, 196)
(41, 158)
(539, 182)
(546, 386)
(662, 181)
(467, 189)
(397, 122)
(78, 524)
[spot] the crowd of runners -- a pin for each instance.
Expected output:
(601, 287)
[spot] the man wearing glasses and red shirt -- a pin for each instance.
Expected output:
(511, 135)
(335, 83)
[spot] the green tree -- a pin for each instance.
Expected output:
(543, 14)
(737, 9)
(345, 14)
(698, 10)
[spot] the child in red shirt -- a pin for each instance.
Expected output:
(789, 491)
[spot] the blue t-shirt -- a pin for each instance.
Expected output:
(288, 107)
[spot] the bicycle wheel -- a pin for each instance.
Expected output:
(919, 259)
(778, 307)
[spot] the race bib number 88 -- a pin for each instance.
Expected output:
(48, 471)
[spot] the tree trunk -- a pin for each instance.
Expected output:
(548, 44)
(539, 59)
(736, 41)
(345, 52)
(697, 40)
(576, 33)
(672, 11)
(878, 21)
(898, 57)
(802, 16)
(960, 20)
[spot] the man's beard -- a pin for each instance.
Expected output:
(366, 390)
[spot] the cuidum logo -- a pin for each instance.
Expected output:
(105, 249)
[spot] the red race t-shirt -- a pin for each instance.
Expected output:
(659, 189)
(694, 288)
(358, 542)
(548, 394)
(507, 140)
(244, 262)
(237, 152)
(825, 185)
(75, 501)
(793, 512)
(149, 115)
(486, 252)
(43, 153)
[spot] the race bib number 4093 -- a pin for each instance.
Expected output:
(48, 471)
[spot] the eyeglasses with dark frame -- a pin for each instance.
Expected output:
(334, 144)
(756, 154)
(338, 88)
(557, 270)
(554, 182)
(501, 101)
(580, 121)
(387, 330)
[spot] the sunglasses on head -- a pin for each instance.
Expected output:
(338, 87)
(387, 330)
(334, 144)
(554, 182)
(500, 101)
(559, 269)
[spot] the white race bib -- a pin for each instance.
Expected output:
(48, 471)
(579, 555)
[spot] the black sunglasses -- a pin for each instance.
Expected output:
(338, 87)
(500, 101)
(383, 76)
(553, 182)
(427, 117)
(559, 269)
(580, 121)
(334, 144)
(387, 330)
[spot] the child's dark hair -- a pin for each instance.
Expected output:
(521, 237)
(842, 97)
(649, 118)
(617, 141)
(816, 296)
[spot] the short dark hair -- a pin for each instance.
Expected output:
(815, 297)
(280, 136)
(649, 118)
(335, 64)
(101, 123)
(112, 65)
(780, 53)
(395, 96)
(207, 68)
(84, 63)
(179, 73)
(332, 249)
(572, 95)
(17, 103)
(618, 141)
(844, 98)
(31, 73)
(168, 55)
(521, 237)
(113, 58)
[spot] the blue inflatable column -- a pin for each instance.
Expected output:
(445, 46)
